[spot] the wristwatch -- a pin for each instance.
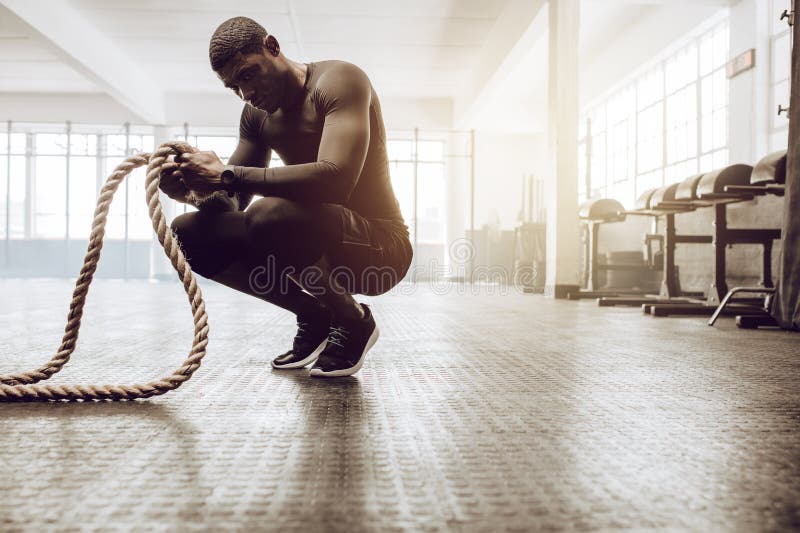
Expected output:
(229, 179)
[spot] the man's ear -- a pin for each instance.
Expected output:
(271, 44)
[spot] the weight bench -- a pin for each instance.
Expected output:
(595, 213)
(711, 192)
(666, 202)
(768, 177)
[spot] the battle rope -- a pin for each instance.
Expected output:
(21, 387)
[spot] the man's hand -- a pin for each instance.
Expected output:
(171, 182)
(200, 171)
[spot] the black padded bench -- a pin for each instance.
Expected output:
(716, 190)
(768, 177)
(664, 203)
(595, 213)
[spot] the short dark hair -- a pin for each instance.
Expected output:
(239, 34)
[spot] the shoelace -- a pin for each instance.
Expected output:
(338, 335)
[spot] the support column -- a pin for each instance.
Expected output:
(563, 239)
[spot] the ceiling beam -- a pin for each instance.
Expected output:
(515, 32)
(90, 52)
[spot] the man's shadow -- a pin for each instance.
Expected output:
(331, 453)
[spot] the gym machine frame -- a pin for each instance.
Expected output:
(768, 178)
(665, 202)
(712, 192)
(593, 214)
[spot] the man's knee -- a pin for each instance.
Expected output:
(270, 217)
(285, 229)
(185, 226)
(188, 231)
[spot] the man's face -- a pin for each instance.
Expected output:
(255, 78)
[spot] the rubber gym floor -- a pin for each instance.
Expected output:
(479, 411)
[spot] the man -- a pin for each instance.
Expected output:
(328, 225)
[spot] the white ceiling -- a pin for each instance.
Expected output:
(414, 49)
(602, 21)
(26, 64)
(418, 48)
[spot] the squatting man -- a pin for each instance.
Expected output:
(331, 208)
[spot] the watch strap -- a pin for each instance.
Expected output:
(229, 179)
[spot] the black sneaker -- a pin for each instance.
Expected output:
(311, 338)
(348, 343)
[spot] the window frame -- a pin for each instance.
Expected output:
(658, 174)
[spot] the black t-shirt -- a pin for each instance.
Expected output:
(332, 140)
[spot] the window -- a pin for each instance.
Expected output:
(429, 201)
(48, 191)
(82, 184)
(597, 152)
(51, 176)
(401, 170)
(431, 192)
(650, 131)
(621, 145)
(13, 169)
(664, 125)
(4, 212)
(583, 169)
(680, 85)
(128, 216)
(50, 182)
(713, 100)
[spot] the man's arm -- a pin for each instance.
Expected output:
(342, 150)
(249, 151)
(249, 154)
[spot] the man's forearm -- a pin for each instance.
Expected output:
(321, 181)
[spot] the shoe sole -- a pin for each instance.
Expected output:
(302, 363)
(317, 372)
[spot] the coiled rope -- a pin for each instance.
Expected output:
(22, 387)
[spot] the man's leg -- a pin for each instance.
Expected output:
(252, 279)
(215, 245)
(297, 238)
(325, 287)
(306, 235)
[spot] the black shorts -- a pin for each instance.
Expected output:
(373, 255)
(367, 256)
